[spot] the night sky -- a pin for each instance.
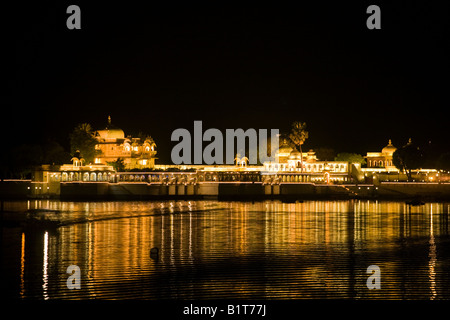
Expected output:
(156, 68)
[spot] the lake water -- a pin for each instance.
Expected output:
(239, 250)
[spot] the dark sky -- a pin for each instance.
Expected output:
(155, 68)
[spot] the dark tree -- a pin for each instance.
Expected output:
(118, 165)
(54, 153)
(82, 139)
(350, 157)
(325, 154)
(443, 162)
(23, 159)
(298, 136)
(407, 158)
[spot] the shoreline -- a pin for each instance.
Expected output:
(285, 192)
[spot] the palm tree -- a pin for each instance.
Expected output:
(298, 135)
(82, 139)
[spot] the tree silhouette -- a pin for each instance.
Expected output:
(82, 139)
(407, 158)
(297, 136)
(118, 165)
(350, 157)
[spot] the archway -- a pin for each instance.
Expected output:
(326, 177)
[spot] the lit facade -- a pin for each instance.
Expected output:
(306, 165)
(381, 159)
(112, 144)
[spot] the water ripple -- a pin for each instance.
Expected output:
(214, 250)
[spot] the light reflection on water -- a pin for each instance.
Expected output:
(211, 249)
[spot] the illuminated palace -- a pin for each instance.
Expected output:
(291, 172)
(382, 159)
(136, 153)
(294, 166)
(289, 166)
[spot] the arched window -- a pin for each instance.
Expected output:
(93, 176)
(75, 161)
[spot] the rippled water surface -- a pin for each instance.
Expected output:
(212, 249)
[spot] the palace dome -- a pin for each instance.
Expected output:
(111, 132)
(285, 148)
(295, 155)
(389, 149)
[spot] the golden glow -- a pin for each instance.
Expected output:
(22, 266)
(45, 268)
(113, 242)
(113, 145)
(432, 255)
